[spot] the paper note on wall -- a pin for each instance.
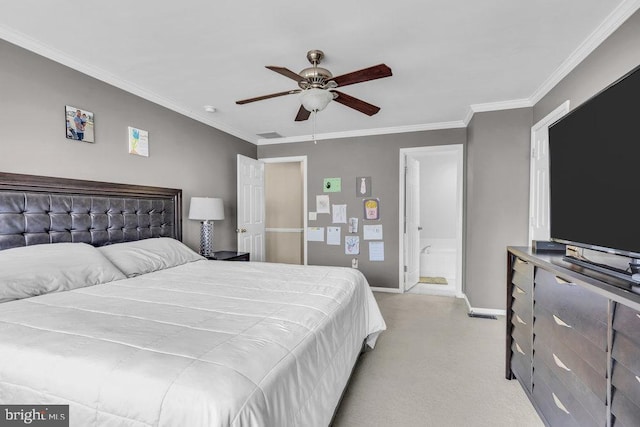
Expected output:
(352, 245)
(353, 225)
(333, 235)
(339, 214)
(315, 234)
(322, 204)
(376, 251)
(332, 185)
(372, 232)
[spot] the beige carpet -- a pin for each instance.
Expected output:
(434, 366)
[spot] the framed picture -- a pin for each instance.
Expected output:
(363, 186)
(371, 209)
(138, 142)
(80, 125)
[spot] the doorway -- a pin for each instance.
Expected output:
(286, 209)
(431, 206)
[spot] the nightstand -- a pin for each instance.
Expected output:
(230, 256)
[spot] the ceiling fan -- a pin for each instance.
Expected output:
(318, 85)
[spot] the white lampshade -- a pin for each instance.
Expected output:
(206, 208)
(315, 99)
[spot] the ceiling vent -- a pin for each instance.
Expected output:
(269, 135)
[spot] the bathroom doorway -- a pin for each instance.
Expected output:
(437, 233)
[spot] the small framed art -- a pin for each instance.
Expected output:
(79, 124)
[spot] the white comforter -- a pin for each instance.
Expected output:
(209, 343)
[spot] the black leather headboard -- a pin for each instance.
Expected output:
(37, 210)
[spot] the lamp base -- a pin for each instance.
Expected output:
(206, 238)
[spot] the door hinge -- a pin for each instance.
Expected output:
(405, 269)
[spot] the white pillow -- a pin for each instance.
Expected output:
(145, 256)
(39, 269)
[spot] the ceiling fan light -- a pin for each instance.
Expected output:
(316, 99)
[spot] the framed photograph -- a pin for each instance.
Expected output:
(371, 209)
(80, 125)
(363, 186)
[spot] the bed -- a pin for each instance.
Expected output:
(105, 310)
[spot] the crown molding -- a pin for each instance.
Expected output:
(611, 23)
(501, 105)
(21, 40)
(364, 132)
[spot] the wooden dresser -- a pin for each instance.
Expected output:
(573, 341)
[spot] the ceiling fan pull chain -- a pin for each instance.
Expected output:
(315, 113)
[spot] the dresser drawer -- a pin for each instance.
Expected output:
(522, 334)
(553, 409)
(551, 326)
(524, 267)
(523, 281)
(521, 364)
(626, 352)
(522, 305)
(562, 365)
(626, 382)
(595, 382)
(624, 410)
(563, 400)
(582, 310)
(627, 320)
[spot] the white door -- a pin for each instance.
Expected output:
(412, 223)
(539, 226)
(250, 216)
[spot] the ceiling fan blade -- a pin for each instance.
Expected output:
(303, 114)
(285, 72)
(273, 95)
(356, 104)
(371, 73)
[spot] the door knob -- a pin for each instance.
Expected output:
(241, 230)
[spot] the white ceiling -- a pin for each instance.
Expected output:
(448, 57)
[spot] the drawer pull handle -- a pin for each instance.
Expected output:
(638, 378)
(562, 281)
(520, 320)
(559, 404)
(560, 364)
(560, 322)
(520, 291)
(519, 349)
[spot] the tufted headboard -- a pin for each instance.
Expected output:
(36, 210)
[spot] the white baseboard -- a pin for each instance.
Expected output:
(390, 290)
(487, 311)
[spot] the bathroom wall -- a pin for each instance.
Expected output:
(438, 204)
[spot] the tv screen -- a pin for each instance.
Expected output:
(594, 171)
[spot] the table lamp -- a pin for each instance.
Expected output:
(206, 209)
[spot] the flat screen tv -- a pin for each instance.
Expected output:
(594, 171)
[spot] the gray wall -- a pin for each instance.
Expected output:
(497, 200)
(615, 57)
(375, 156)
(184, 153)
